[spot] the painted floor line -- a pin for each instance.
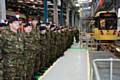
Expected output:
(88, 62)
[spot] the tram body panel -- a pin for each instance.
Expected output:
(105, 34)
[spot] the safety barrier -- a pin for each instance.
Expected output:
(106, 69)
(87, 41)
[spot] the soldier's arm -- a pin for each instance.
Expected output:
(2, 44)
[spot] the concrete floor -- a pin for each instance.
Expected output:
(72, 66)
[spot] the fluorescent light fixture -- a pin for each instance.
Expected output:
(20, 1)
(27, 2)
(85, 8)
(48, 2)
(90, 0)
(77, 5)
(36, 2)
(118, 49)
(39, 1)
(33, 6)
(32, 0)
(58, 2)
(119, 12)
(80, 10)
(84, 1)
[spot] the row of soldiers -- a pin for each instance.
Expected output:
(28, 48)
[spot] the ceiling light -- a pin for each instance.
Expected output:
(119, 12)
(32, 0)
(77, 5)
(33, 6)
(84, 1)
(80, 10)
(20, 1)
(86, 8)
(27, 2)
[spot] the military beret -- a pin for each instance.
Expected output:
(12, 19)
(55, 29)
(1, 25)
(42, 28)
(27, 24)
(51, 26)
(58, 28)
(43, 25)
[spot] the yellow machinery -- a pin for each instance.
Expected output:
(105, 26)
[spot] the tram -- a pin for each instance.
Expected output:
(105, 26)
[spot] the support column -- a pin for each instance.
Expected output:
(45, 11)
(2, 9)
(77, 20)
(75, 23)
(73, 18)
(92, 10)
(61, 14)
(39, 18)
(55, 12)
(67, 15)
(39, 8)
(70, 18)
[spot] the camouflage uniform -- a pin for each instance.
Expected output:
(43, 44)
(38, 53)
(48, 48)
(59, 46)
(52, 48)
(1, 57)
(76, 34)
(13, 59)
(55, 45)
(31, 51)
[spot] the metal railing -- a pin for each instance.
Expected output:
(86, 40)
(106, 69)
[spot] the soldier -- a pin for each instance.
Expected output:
(12, 49)
(59, 41)
(43, 44)
(21, 22)
(63, 38)
(34, 23)
(76, 34)
(52, 46)
(32, 47)
(37, 42)
(1, 55)
(27, 28)
(1, 27)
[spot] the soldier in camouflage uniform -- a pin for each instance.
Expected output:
(76, 34)
(55, 37)
(32, 48)
(36, 37)
(28, 51)
(43, 44)
(48, 45)
(12, 49)
(52, 44)
(59, 41)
